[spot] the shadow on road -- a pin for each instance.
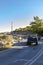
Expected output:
(20, 44)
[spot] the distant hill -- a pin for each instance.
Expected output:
(27, 28)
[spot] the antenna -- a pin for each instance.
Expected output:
(11, 26)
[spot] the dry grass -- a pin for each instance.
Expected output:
(8, 39)
(5, 47)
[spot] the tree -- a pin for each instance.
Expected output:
(27, 28)
(37, 25)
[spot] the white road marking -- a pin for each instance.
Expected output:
(31, 60)
(20, 60)
(36, 56)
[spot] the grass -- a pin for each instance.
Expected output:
(6, 39)
(5, 47)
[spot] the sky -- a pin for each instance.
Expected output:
(20, 12)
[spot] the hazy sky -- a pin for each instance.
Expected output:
(21, 12)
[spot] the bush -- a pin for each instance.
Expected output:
(8, 40)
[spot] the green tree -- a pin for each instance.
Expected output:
(37, 25)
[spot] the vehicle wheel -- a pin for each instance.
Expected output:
(28, 43)
(36, 43)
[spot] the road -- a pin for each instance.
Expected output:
(21, 54)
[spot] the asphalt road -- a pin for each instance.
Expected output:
(21, 54)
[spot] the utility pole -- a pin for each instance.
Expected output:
(11, 27)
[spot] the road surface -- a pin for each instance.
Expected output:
(21, 54)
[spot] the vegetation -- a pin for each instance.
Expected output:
(36, 26)
(6, 42)
(27, 28)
